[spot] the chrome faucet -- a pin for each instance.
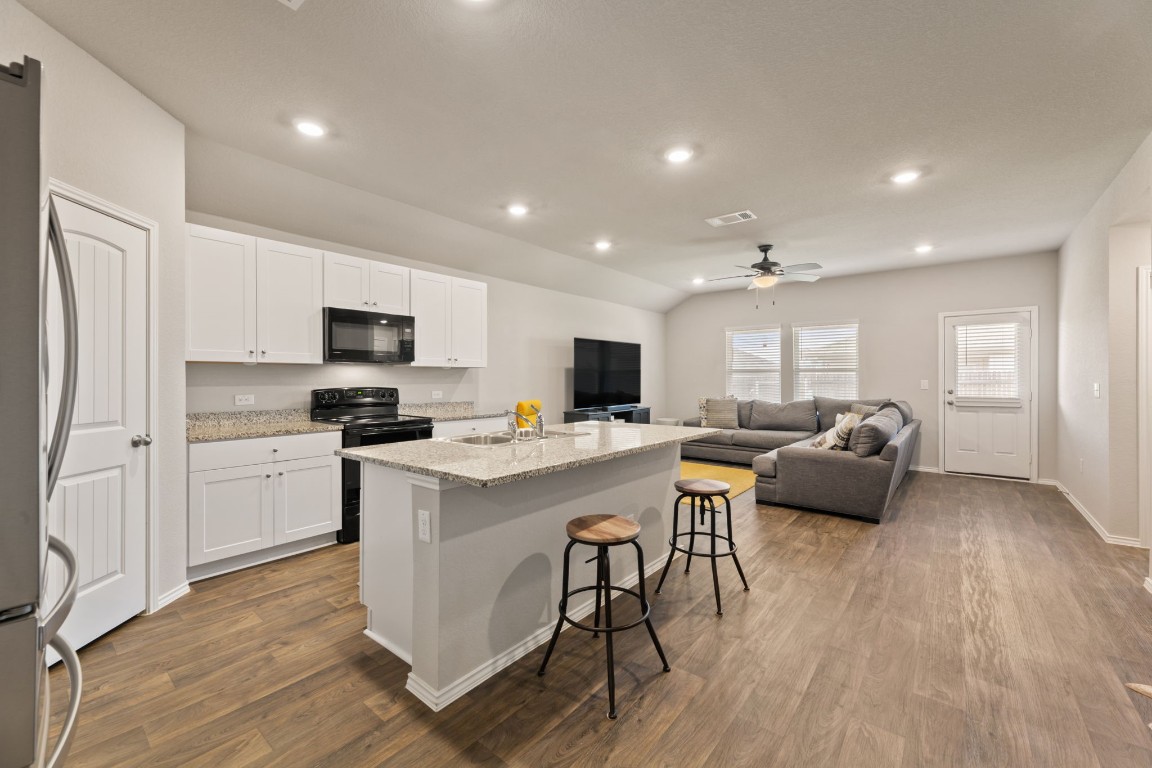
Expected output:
(539, 422)
(515, 418)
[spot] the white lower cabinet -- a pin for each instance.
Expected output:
(242, 497)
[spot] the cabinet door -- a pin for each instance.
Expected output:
(289, 302)
(229, 512)
(431, 294)
(307, 497)
(220, 296)
(346, 281)
(469, 324)
(390, 288)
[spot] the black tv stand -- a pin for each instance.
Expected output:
(633, 414)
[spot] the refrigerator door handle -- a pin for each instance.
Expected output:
(67, 405)
(75, 684)
(52, 622)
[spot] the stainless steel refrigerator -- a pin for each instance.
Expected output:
(31, 248)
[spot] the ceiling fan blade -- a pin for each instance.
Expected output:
(798, 278)
(801, 268)
(730, 277)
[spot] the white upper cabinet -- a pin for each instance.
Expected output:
(451, 321)
(373, 286)
(221, 296)
(252, 300)
(289, 302)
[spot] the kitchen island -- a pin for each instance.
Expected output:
(462, 545)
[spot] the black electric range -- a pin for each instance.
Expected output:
(369, 416)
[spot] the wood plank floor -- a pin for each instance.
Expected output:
(982, 624)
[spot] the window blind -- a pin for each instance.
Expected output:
(752, 363)
(988, 360)
(826, 360)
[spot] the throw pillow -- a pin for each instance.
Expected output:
(796, 416)
(826, 441)
(837, 438)
(722, 414)
(875, 432)
(703, 407)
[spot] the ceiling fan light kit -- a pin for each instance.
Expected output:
(767, 273)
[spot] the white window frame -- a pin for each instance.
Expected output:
(796, 331)
(779, 370)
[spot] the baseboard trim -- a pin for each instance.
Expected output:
(172, 595)
(438, 699)
(259, 557)
(934, 470)
(1123, 541)
(391, 647)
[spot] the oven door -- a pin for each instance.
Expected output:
(356, 438)
(355, 336)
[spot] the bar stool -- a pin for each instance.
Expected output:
(703, 491)
(602, 532)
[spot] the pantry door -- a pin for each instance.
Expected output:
(100, 503)
(989, 361)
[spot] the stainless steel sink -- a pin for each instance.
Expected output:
(486, 440)
(490, 439)
(527, 435)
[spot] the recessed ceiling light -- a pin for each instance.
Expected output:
(697, 280)
(678, 155)
(922, 249)
(905, 177)
(310, 129)
(518, 209)
(603, 245)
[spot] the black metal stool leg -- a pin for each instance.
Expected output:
(608, 636)
(715, 574)
(672, 541)
(732, 541)
(692, 537)
(647, 609)
(599, 581)
(563, 611)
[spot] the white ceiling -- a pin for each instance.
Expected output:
(1020, 112)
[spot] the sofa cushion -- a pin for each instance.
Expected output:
(767, 439)
(902, 406)
(764, 465)
(723, 437)
(828, 407)
(796, 416)
(722, 414)
(744, 413)
(864, 410)
(874, 432)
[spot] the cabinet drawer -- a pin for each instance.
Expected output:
(259, 450)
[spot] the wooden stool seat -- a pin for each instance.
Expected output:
(602, 529)
(698, 486)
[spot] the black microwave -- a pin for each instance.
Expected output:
(355, 336)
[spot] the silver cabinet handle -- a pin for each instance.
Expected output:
(281, 474)
(55, 617)
(139, 440)
(63, 428)
(267, 476)
(251, 351)
(374, 304)
(365, 303)
(263, 351)
(950, 392)
(75, 686)
(950, 402)
(275, 450)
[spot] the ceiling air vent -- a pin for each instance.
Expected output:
(293, 4)
(731, 218)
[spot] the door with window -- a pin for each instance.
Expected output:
(988, 415)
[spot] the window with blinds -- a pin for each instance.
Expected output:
(752, 363)
(988, 360)
(826, 360)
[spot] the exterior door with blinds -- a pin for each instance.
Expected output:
(988, 421)
(752, 363)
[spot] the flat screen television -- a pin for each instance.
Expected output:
(605, 373)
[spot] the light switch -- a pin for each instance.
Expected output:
(923, 383)
(437, 394)
(1096, 389)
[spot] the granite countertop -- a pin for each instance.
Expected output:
(242, 425)
(592, 442)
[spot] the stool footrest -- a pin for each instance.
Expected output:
(589, 628)
(695, 553)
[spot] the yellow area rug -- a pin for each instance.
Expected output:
(740, 479)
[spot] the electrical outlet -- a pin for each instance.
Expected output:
(437, 394)
(1096, 389)
(245, 399)
(424, 518)
(923, 383)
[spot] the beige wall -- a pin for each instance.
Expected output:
(898, 314)
(530, 332)
(1098, 332)
(103, 136)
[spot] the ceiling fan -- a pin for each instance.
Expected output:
(766, 273)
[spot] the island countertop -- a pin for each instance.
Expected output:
(484, 466)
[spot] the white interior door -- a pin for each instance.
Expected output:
(99, 505)
(988, 394)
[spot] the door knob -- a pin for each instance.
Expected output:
(951, 402)
(139, 440)
(949, 391)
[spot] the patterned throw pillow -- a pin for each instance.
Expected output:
(836, 438)
(703, 408)
(722, 414)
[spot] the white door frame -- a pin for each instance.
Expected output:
(1034, 406)
(1143, 391)
(151, 500)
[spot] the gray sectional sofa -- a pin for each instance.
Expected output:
(776, 439)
